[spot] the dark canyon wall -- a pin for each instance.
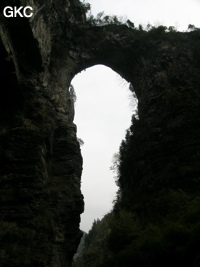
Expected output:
(40, 159)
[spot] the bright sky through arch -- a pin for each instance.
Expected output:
(102, 114)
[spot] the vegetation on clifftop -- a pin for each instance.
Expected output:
(101, 19)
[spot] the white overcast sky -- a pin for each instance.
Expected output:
(103, 107)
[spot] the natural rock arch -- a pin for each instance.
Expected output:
(40, 160)
(102, 114)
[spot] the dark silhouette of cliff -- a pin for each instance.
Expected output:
(40, 159)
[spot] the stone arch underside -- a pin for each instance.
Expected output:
(40, 160)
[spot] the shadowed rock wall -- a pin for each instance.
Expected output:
(40, 159)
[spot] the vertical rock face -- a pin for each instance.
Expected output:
(40, 163)
(40, 160)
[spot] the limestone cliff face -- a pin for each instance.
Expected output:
(40, 164)
(40, 159)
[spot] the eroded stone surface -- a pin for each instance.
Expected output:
(40, 160)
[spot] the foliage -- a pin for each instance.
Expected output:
(191, 27)
(125, 240)
(95, 253)
(86, 6)
(92, 232)
(124, 228)
(172, 29)
(102, 20)
(173, 239)
(115, 165)
(81, 142)
(72, 93)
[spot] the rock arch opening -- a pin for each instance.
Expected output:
(102, 114)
